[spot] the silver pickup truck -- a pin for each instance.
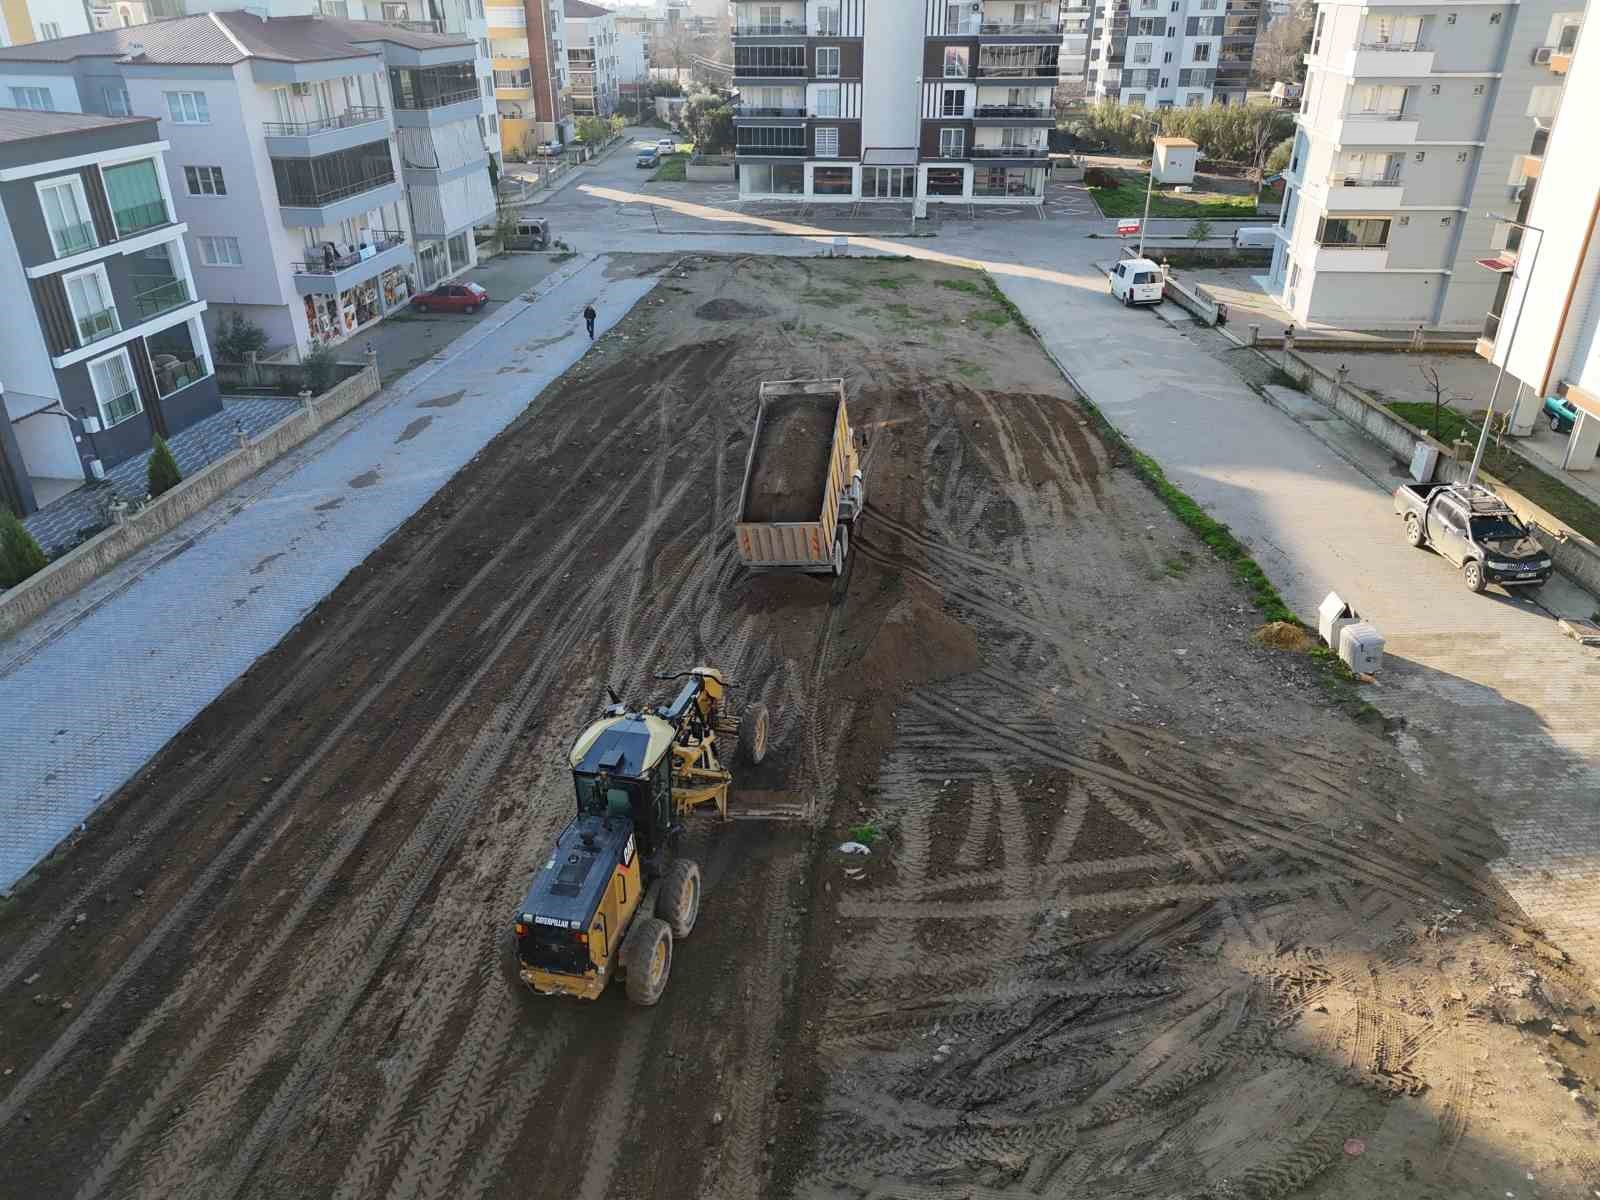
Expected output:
(1475, 530)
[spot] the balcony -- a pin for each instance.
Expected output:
(1010, 153)
(749, 112)
(1003, 114)
(333, 275)
(312, 207)
(750, 71)
(435, 27)
(1044, 28)
(753, 150)
(1350, 258)
(163, 297)
(307, 139)
(1389, 60)
(1045, 72)
(92, 327)
(430, 109)
(1378, 129)
(786, 28)
(1352, 194)
(136, 218)
(74, 238)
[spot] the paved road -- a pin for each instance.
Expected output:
(1484, 681)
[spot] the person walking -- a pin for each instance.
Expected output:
(588, 319)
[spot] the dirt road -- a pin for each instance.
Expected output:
(1146, 915)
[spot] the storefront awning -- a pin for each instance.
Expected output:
(890, 156)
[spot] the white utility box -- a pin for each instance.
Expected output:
(1333, 614)
(1361, 647)
(1424, 460)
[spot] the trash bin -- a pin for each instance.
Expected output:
(1333, 614)
(1361, 647)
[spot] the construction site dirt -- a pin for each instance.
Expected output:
(1146, 913)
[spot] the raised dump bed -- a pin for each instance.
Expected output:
(802, 486)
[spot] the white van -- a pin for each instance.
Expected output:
(1255, 235)
(1137, 281)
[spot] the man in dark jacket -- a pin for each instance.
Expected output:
(588, 319)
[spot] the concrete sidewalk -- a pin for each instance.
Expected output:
(1487, 681)
(97, 686)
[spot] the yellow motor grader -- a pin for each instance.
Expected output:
(612, 897)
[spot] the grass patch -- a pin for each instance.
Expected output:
(891, 282)
(867, 834)
(961, 285)
(1177, 566)
(1004, 301)
(1127, 200)
(673, 169)
(995, 317)
(904, 311)
(1548, 492)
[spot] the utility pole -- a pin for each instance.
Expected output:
(1522, 303)
(1149, 186)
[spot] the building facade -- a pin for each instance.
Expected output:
(592, 59)
(1161, 53)
(896, 100)
(24, 21)
(1543, 324)
(324, 169)
(528, 47)
(1413, 125)
(103, 346)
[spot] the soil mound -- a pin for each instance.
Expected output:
(791, 464)
(1284, 635)
(729, 310)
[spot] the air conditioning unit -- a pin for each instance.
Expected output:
(1541, 55)
(91, 424)
(97, 468)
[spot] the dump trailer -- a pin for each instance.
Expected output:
(803, 491)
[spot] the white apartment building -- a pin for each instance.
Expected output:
(1161, 53)
(1544, 321)
(528, 49)
(1414, 124)
(24, 21)
(910, 101)
(325, 169)
(592, 58)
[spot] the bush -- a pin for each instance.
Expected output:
(316, 370)
(593, 130)
(1200, 230)
(1099, 177)
(162, 469)
(20, 555)
(237, 337)
(1279, 158)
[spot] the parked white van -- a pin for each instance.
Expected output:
(1137, 281)
(1254, 235)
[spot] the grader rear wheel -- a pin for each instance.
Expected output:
(753, 734)
(647, 959)
(679, 902)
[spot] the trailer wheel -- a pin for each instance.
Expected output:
(1472, 575)
(841, 549)
(753, 734)
(647, 959)
(1413, 531)
(680, 897)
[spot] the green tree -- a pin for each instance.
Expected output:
(20, 555)
(593, 130)
(709, 119)
(1200, 230)
(1279, 158)
(316, 370)
(237, 337)
(162, 469)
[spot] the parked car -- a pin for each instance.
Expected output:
(666, 145)
(451, 297)
(648, 157)
(529, 233)
(1137, 281)
(550, 149)
(1254, 235)
(1475, 530)
(1563, 414)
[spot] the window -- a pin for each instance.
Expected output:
(134, 190)
(219, 251)
(1202, 52)
(94, 312)
(946, 181)
(956, 62)
(1141, 52)
(766, 139)
(1316, 36)
(36, 98)
(188, 108)
(952, 143)
(1167, 56)
(115, 101)
(1194, 99)
(49, 30)
(889, 183)
(954, 103)
(207, 181)
(1363, 232)
(827, 62)
(114, 389)
(66, 214)
(832, 181)
(828, 142)
(827, 101)
(828, 21)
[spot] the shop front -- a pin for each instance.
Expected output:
(333, 316)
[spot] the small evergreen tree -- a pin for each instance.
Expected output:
(20, 555)
(1200, 230)
(162, 469)
(237, 337)
(317, 370)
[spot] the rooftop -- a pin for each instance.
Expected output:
(224, 38)
(579, 9)
(26, 124)
(1177, 142)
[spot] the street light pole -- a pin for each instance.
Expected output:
(1149, 186)
(1522, 303)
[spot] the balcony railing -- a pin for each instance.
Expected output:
(315, 199)
(1375, 115)
(180, 373)
(772, 151)
(1398, 47)
(385, 239)
(164, 297)
(769, 28)
(771, 71)
(345, 120)
(1020, 28)
(1013, 110)
(120, 408)
(1009, 152)
(75, 237)
(96, 325)
(1027, 71)
(1360, 181)
(759, 110)
(440, 100)
(136, 217)
(418, 26)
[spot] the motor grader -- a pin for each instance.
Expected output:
(613, 897)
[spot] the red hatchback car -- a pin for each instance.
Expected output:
(451, 297)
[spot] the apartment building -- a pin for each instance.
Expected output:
(528, 48)
(1544, 318)
(591, 58)
(1161, 53)
(103, 345)
(24, 21)
(324, 169)
(914, 101)
(1414, 124)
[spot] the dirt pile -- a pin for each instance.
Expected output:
(1284, 635)
(730, 310)
(789, 475)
